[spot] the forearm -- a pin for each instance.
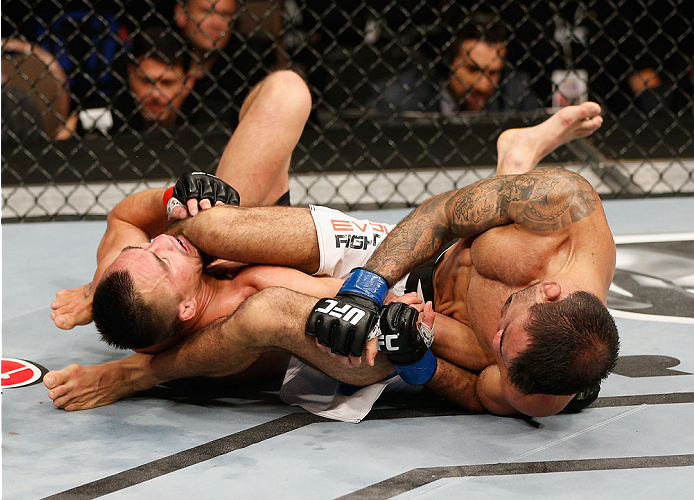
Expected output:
(219, 349)
(144, 211)
(457, 385)
(136, 219)
(457, 214)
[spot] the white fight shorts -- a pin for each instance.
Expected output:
(345, 243)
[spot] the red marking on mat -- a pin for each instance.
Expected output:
(17, 373)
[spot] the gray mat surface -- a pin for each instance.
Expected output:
(177, 442)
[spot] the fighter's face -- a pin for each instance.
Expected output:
(207, 23)
(167, 265)
(511, 337)
(476, 72)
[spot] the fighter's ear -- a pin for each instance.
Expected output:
(550, 291)
(187, 309)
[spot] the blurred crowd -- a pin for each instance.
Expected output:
(70, 69)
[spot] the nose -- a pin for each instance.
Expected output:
(161, 242)
(159, 96)
(485, 85)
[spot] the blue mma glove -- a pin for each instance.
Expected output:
(405, 345)
(343, 322)
(199, 185)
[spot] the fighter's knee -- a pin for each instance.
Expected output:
(291, 86)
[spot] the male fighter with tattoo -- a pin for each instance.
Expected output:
(274, 318)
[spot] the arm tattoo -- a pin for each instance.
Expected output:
(553, 199)
(542, 200)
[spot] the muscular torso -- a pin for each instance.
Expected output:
(477, 275)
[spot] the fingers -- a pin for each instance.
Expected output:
(347, 361)
(428, 315)
(179, 212)
(410, 298)
(192, 205)
(371, 351)
(50, 380)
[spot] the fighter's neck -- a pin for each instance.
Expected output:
(217, 298)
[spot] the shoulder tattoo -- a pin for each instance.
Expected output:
(541, 200)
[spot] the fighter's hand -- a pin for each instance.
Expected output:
(72, 307)
(406, 344)
(198, 191)
(411, 299)
(343, 323)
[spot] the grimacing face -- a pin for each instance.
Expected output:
(165, 265)
(206, 23)
(159, 89)
(476, 72)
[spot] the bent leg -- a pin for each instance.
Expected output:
(519, 150)
(284, 236)
(272, 119)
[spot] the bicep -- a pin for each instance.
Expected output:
(541, 200)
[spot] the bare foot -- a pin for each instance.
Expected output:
(72, 307)
(521, 149)
(83, 387)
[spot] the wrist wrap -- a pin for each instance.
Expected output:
(366, 283)
(419, 372)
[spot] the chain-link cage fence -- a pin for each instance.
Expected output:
(409, 95)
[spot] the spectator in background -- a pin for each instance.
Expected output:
(159, 80)
(221, 67)
(35, 94)
(475, 76)
(650, 86)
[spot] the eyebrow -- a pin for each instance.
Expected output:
(159, 259)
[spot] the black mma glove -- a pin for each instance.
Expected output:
(199, 185)
(343, 322)
(405, 345)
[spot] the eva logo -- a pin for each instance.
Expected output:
(19, 373)
(351, 225)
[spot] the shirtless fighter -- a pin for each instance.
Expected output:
(274, 318)
(280, 104)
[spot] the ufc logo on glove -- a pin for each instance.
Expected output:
(347, 312)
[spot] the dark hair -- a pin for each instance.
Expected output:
(573, 346)
(484, 26)
(123, 317)
(162, 44)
